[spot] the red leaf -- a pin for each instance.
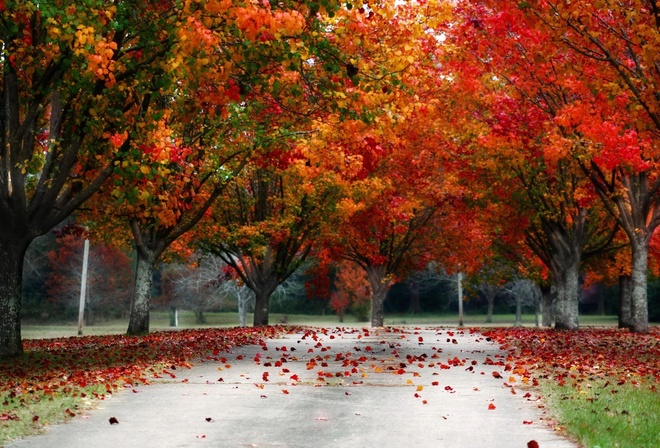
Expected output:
(532, 444)
(496, 375)
(491, 407)
(113, 421)
(527, 422)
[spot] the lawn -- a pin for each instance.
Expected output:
(160, 322)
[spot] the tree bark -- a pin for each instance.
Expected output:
(379, 287)
(625, 302)
(139, 320)
(459, 280)
(518, 321)
(548, 303)
(174, 316)
(491, 306)
(566, 300)
(242, 309)
(11, 279)
(261, 307)
(638, 283)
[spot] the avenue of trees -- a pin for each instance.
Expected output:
(500, 140)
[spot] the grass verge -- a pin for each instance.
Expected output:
(602, 416)
(29, 414)
(601, 384)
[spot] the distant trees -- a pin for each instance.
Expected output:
(109, 276)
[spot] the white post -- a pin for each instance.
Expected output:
(83, 288)
(459, 278)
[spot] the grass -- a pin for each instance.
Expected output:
(601, 416)
(22, 416)
(160, 322)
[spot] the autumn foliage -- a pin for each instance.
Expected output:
(351, 291)
(67, 366)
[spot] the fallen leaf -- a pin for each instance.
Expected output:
(491, 407)
(113, 421)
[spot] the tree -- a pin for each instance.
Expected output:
(351, 291)
(197, 285)
(63, 67)
(231, 74)
(565, 222)
(109, 279)
(266, 223)
(524, 292)
(611, 123)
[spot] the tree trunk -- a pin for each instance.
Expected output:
(625, 302)
(199, 317)
(566, 300)
(174, 316)
(548, 302)
(413, 306)
(638, 283)
(518, 321)
(261, 308)
(491, 305)
(11, 279)
(459, 280)
(379, 286)
(90, 318)
(537, 313)
(378, 306)
(242, 309)
(139, 320)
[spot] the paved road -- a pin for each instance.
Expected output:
(339, 388)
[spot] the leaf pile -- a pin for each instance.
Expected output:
(65, 366)
(615, 356)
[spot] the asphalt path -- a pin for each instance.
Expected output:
(342, 387)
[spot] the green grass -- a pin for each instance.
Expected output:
(604, 415)
(160, 321)
(27, 416)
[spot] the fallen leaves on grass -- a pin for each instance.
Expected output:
(64, 366)
(576, 357)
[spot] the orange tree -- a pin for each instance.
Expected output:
(266, 222)
(528, 91)
(76, 79)
(236, 70)
(392, 147)
(609, 123)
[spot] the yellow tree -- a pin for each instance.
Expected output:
(235, 69)
(75, 82)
